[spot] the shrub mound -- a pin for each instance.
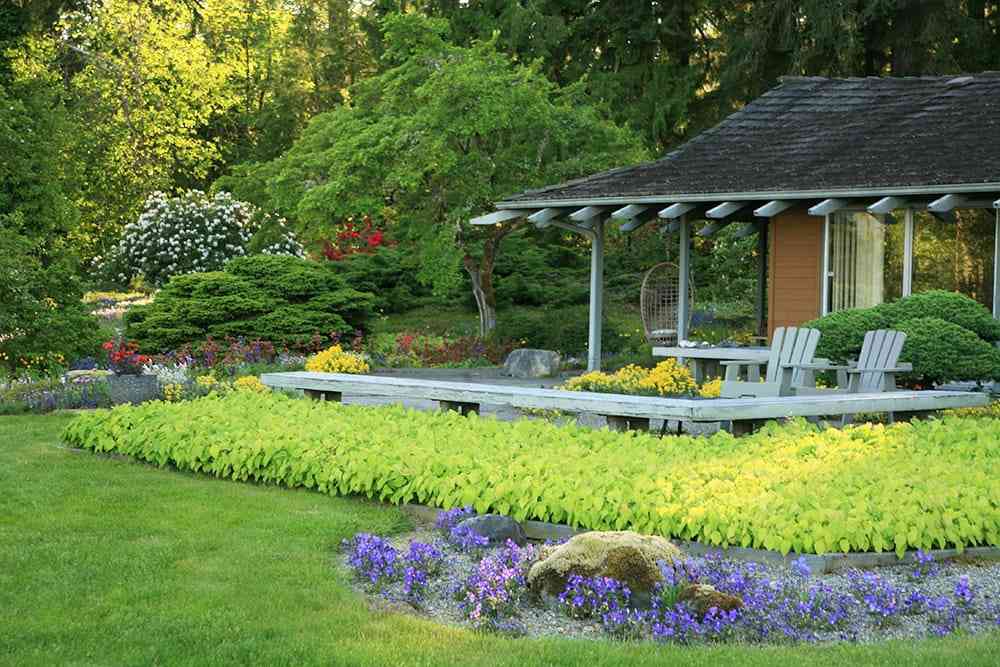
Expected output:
(949, 336)
(789, 488)
(284, 300)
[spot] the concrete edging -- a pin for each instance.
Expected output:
(818, 564)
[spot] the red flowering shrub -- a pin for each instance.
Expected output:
(353, 239)
(124, 357)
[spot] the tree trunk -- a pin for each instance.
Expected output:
(481, 275)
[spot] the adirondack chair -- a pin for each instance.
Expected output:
(875, 370)
(791, 347)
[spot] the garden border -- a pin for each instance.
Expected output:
(818, 564)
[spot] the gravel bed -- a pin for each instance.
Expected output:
(546, 618)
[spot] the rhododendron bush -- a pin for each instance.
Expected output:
(194, 232)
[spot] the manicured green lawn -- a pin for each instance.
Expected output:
(104, 561)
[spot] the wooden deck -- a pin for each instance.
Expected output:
(622, 411)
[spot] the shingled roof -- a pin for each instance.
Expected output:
(817, 135)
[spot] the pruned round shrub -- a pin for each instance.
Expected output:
(948, 306)
(193, 232)
(843, 332)
(284, 300)
(943, 351)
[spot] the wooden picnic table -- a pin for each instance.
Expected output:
(705, 361)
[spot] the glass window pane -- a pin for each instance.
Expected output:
(865, 261)
(955, 256)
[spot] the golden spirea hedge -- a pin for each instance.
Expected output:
(789, 488)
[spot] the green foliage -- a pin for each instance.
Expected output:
(284, 300)
(843, 332)
(390, 273)
(942, 351)
(949, 306)
(561, 329)
(44, 323)
(788, 488)
(941, 327)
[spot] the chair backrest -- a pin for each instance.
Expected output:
(791, 345)
(879, 352)
(659, 302)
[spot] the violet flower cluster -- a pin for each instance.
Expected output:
(373, 559)
(594, 597)
(448, 519)
(491, 595)
(422, 562)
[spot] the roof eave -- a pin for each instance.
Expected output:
(919, 190)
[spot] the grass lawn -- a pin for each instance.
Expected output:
(103, 561)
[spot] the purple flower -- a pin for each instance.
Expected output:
(593, 597)
(965, 592)
(925, 565)
(373, 559)
(801, 567)
(490, 596)
(448, 519)
(467, 539)
(877, 595)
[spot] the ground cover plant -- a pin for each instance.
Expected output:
(487, 587)
(192, 571)
(788, 488)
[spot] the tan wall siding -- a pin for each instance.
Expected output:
(795, 263)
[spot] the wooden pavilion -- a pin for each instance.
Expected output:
(839, 179)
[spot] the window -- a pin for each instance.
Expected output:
(864, 260)
(955, 255)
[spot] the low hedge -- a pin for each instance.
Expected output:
(789, 488)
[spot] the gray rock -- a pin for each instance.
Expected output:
(528, 363)
(497, 528)
(133, 388)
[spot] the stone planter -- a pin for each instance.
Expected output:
(133, 388)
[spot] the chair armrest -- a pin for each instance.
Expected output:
(902, 368)
(815, 367)
(742, 362)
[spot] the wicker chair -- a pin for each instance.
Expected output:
(659, 303)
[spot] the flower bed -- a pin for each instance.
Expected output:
(469, 583)
(785, 488)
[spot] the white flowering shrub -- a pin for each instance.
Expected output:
(193, 232)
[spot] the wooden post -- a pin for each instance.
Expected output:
(996, 262)
(684, 277)
(320, 395)
(761, 296)
(596, 295)
(907, 287)
(461, 407)
(618, 423)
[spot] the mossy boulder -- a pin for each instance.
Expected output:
(703, 597)
(623, 555)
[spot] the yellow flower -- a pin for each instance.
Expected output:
(207, 381)
(669, 378)
(335, 360)
(173, 392)
(251, 383)
(711, 389)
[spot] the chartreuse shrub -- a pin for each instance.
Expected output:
(284, 300)
(790, 488)
(949, 336)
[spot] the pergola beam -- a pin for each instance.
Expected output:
(996, 204)
(724, 210)
(887, 205)
(670, 227)
(544, 217)
(772, 208)
(634, 215)
(713, 227)
(675, 211)
(587, 213)
(748, 229)
(827, 206)
(497, 217)
(946, 203)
